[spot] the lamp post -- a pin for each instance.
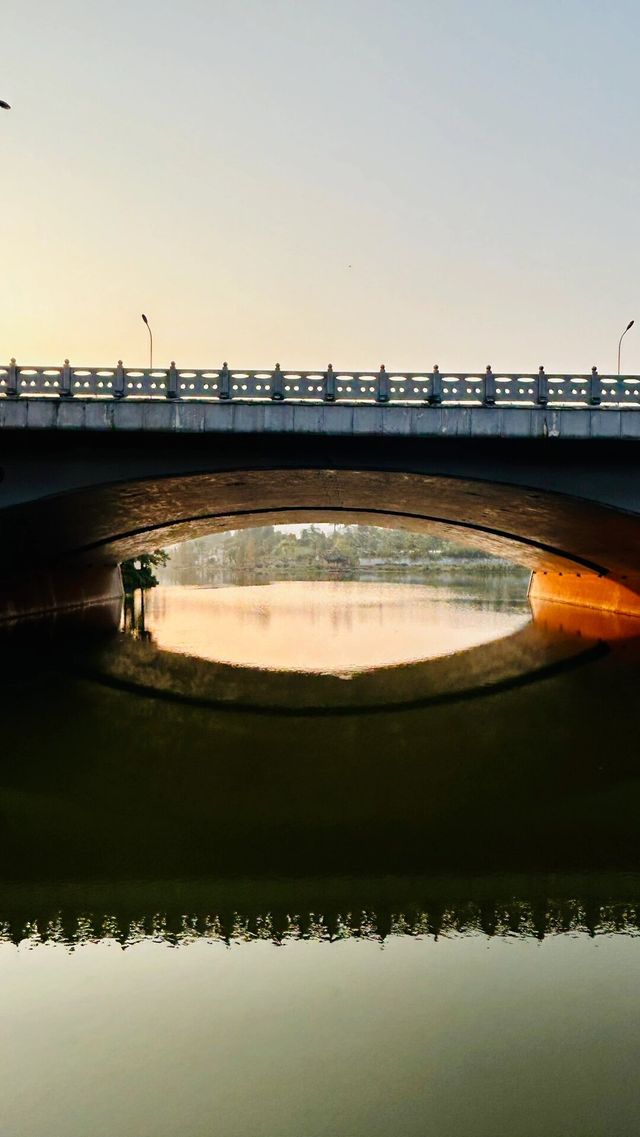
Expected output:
(629, 325)
(150, 341)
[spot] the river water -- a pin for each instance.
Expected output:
(322, 858)
(326, 625)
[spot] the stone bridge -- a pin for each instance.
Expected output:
(101, 464)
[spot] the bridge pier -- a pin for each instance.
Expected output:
(585, 590)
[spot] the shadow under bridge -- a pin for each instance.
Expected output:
(75, 506)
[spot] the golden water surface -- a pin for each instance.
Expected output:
(327, 626)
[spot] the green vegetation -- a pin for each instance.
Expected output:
(337, 551)
(139, 573)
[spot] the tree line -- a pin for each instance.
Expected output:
(339, 549)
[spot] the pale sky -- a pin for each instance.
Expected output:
(349, 182)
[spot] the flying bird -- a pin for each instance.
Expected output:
(5, 106)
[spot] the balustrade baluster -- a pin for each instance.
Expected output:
(119, 385)
(224, 382)
(277, 387)
(66, 390)
(595, 388)
(435, 398)
(329, 385)
(13, 380)
(172, 381)
(382, 395)
(489, 387)
(542, 396)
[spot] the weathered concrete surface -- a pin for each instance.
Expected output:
(39, 464)
(59, 589)
(339, 419)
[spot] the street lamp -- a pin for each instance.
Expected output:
(150, 341)
(629, 325)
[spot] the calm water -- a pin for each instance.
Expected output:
(311, 859)
(325, 626)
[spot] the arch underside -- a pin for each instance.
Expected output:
(557, 536)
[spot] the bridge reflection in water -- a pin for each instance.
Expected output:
(495, 790)
(281, 829)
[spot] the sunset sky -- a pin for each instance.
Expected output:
(347, 181)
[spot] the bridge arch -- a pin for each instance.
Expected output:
(578, 548)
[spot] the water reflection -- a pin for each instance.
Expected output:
(516, 756)
(535, 652)
(326, 626)
(415, 892)
(516, 907)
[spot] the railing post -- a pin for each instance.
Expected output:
(224, 385)
(172, 381)
(435, 398)
(119, 389)
(543, 388)
(489, 387)
(329, 385)
(383, 385)
(595, 388)
(12, 381)
(66, 390)
(277, 389)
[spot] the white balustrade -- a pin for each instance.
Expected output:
(406, 388)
